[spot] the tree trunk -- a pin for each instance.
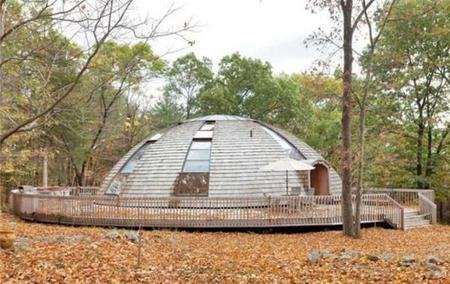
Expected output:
(346, 157)
(419, 150)
(359, 184)
(2, 193)
(45, 169)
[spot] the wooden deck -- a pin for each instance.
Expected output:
(80, 207)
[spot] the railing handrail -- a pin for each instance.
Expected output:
(65, 187)
(402, 211)
(382, 189)
(191, 211)
(433, 208)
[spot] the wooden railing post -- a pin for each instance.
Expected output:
(83, 208)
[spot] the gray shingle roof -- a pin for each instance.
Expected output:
(236, 158)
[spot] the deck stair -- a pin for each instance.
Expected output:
(413, 219)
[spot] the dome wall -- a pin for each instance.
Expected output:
(239, 148)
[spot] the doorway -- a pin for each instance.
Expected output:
(319, 180)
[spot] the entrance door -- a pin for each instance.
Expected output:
(319, 180)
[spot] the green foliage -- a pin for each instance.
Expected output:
(186, 78)
(412, 64)
(109, 111)
(167, 112)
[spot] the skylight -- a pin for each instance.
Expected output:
(290, 150)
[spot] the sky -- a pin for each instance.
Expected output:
(271, 30)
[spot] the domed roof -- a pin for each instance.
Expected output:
(216, 117)
(216, 155)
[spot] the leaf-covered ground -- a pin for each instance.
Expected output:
(49, 253)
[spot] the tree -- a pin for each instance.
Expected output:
(187, 77)
(413, 63)
(167, 111)
(246, 86)
(117, 70)
(30, 96)
(362, 99)
(98, 21)
(347, 17)
(321, 112)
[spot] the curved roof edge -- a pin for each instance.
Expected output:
(216, 117)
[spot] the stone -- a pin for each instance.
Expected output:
(327, 254)
(22, 244)
(313, 257)
(93, 246)
(73, 239)
(432, 266)
(388, 257)
(353, 253)
(345, 256)
(408, 258)
(407, 261)
(373, 257)
(172, 240)
(132, 236)
(435, 272)
(433, 260)
(112, 235)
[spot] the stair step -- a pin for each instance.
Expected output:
(416, 217)
(416, 226)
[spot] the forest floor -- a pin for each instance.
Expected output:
(50, 253)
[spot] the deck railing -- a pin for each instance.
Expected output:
(404, 196)
(102, 210)
(427, 208)
(394, 213)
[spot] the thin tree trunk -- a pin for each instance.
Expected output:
(346, 157)
(2, 20)
(362, 140)
(359, 183)
(45, 169)
(419, 150)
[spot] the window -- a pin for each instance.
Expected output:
(208, 126)
(196, 166)
(129, 166)
(194, 178)
(203, 134)
(290, 150)
(197, 160)
(155, 137)
(201, 145)
(116, 185)
(198, 154)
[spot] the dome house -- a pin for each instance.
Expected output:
(219, 156)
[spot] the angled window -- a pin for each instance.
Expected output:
(116, 185)
(132, 162)
(208, 126)
(290, 150)
(203, 134)
(129, 166)
(194, 178)
(197, 160)
(201, 145)
(155, 137)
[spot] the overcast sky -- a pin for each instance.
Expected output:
(271, 30)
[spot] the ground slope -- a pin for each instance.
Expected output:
(49, 253)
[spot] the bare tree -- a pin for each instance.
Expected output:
(90, 23)
(348, 18)
(362, 105)
(96, 22)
